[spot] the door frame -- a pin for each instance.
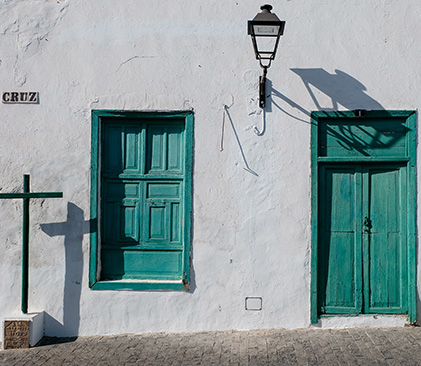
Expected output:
(410, 160)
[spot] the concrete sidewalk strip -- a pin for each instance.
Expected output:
(356, 346)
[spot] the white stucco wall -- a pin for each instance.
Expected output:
(251, 201)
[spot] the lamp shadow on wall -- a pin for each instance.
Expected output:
(346, 91)
(343, 91)
(73, 229)
(341, 88)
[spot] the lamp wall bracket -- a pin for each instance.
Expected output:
(262, 88)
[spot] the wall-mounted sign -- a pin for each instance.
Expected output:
(25, 97)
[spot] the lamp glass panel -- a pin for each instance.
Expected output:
(266, 30)
(265, 46)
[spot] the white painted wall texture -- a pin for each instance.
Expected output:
(251, 201)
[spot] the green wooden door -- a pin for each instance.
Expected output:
(362, 239)
(384, 239)
(363, 213)
(340, 255)
(143, 180)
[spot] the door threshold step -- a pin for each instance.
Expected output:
(367, 320)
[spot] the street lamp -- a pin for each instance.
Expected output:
(265, 30)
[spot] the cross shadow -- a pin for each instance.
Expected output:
(72, 229)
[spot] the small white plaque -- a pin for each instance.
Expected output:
(20, 97)
(253, 303)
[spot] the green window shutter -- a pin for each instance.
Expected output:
(144, 178)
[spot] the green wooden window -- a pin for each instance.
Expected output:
(363, 214)
(141, 200)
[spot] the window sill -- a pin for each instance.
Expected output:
(141, 285)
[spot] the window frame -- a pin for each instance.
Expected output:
(95, 283)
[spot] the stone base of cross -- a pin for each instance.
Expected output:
(26, 195)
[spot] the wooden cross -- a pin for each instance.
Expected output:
(26, 195)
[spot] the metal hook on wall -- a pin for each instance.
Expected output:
(256, 130)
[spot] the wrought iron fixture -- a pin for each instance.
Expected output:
(265, 30)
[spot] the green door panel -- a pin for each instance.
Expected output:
(164, 150)
(120, 264)
(163, 190)
(156, 149)
(121, 212)
(117, 189)
(175, 222)
(340, 243)
(112, 154)
(129, 218)
(351, 138)
(122, 149)
(386, 270)
(175, 150)
(132, 149)
(162, 224)
(121, 222)
(362, 248)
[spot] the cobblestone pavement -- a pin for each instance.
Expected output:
(357, 346)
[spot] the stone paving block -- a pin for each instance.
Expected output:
(391, 346)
